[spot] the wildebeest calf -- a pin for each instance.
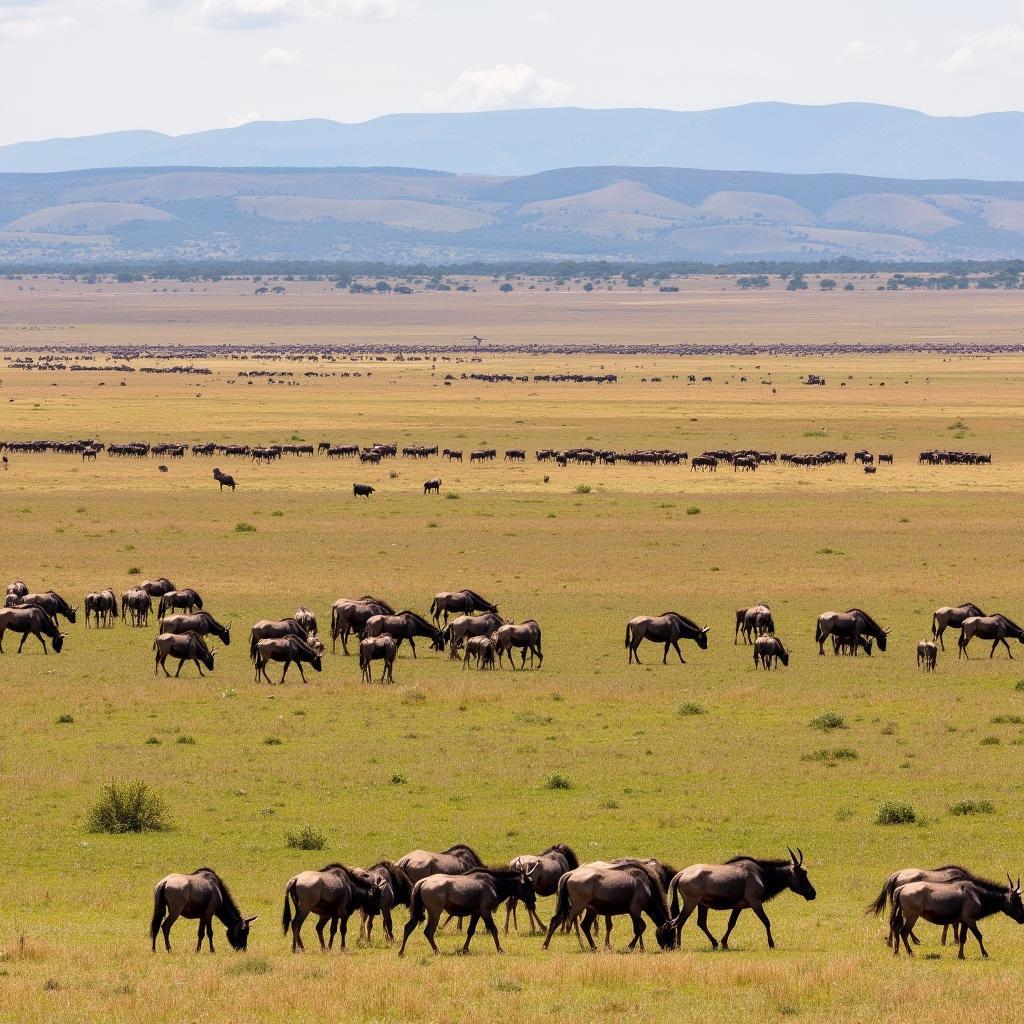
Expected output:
(927, 655)
(362, 490)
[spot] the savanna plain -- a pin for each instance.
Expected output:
(687, 763)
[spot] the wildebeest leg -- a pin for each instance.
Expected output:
(412, 644)
(763, 918)
(675, 644)
(638, 931)
(962, 645)
(977, 934)
(172, 916)
(522, 664)
(681, 919)
(181, 661)
(389, 931)
(510, 910)
(209, 933)
(473, 918)
(321, 924)
(664, 657)
(298, 665)
(1007, 646)
(702, 924)
(202, 934)
(431, 928)
(732, 924)
(24, 637)
(343, 927)
(938, 636)
(200, 667)
(492, 928)
(263, 669)
(42, 640)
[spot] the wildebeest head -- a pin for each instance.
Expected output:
(882, 639)
(702, 637)
(238, 934)
(801, 884)
(524, 886)
(783, 655)
(58, 642)
(72, 614)
(317, 663)
(1014, 905)
(666, 935)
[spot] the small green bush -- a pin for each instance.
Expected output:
(693, 510)
(1008, 720)
(558, 781)
(583, 488)
(187, 740)
(894, 812)
(244, 527)
(828, 721)
(452, 496)
(689, 707)
(398, 779)
(65, 720)
(273, 741)
(134, 571)
(307, 838)
(128, 807)
(253, 965)
(991, 741)
(965, 807)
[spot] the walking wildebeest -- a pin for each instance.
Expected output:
(466, 626)
(947, 616)
(395, 890)
(769, 650)
(476, 894)
(378, 648)
(739, 884)
(348, 616)
(51, 603)
(664, 872)
(362, 490)
(202, 623)
(158, 587)
(464, 601)
(927, 655)
(137, 604)
(524, 635)
(668, 629)
(989, 627)
(266, 629)
(757, 621)
(333, 893)
(455, 860)
(432, 485)
(102, 606)
(482, 649)
(224, 479)
(848, 625)
(183, 646)
(946, 873)
(545, 870)
(185, 600)
(199, 896)
(30, 620)
(404, 626)
(611, 890)
(289, 650)
(963, 903)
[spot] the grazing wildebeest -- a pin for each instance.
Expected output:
(947, 616)
(545, 870)
(455, 860)
(16, 588)
(51, 603)
(849, 625)
(289, 650)
(202, 623)
(395, 890)
(960, 903)
(946, 873)
(306, 619)
(185, 600)
(102, 606)
(668, 629)
(463, 601)
(482, 649)
(362, 490)
(927, 655)
(137, 604)
(524, 635)
(333, 893)
(664, 872)
(33, 621)
(199, 896)
(158, 587)
(404, 626)
(476, 893)
(769, 651)
(224, 479)
(632, 888)
(741, 614)
(266, 629)
(432, 485)
(183, 646)
(348, 616)
(466, 626)
(989, 627)
(740, 884)
(378, 648)
(757, 621)
(847, 645)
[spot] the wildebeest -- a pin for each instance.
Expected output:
(668, 629)
(741, 883)
(378, 648)
(267, 629)
(757, 621)
(769, 651)
(362, 490)
(946, 873)
(927, 655)
(847, 645)
(463, 601)
(455, 860)
(306, 619)
(30, 621)
(157, 587)
(947, 616)
(185, 600)
(202, 623)
(404, 626)
(51, 603)
(466, 626)
(432, 485)
(989, 627)
(545, 870)
(183, 646)
(333, 894)
(961, 903)
(850, 625)
(348, 616)
(395, 890)
(524, 635)
(16, 588)
(288, 650)
(136, 604)
(482, 650)
(224, 479)
(611, 890)
(199, 896)
(476, 894)
(102, 606)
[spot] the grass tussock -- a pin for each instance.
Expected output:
(965, 808)
(128, 807)
(828, 721)
(896, 812)
(305, 838)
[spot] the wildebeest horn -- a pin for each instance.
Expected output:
(792, 856)
(249, 920)
(532, 870)
(801, 854)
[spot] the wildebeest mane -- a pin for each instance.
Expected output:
(387, 609)
(476, 597)
(1009, 622)
(463, 848)
(228, 907)
(867, 618)
(659, 889)
(429, 626)
(567, 852)
(683, 618)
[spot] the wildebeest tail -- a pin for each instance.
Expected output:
(673, 894)
(558, 918)
(416, 911)
(252, 646)
(627, 634)
(289, 895)
(434, 610)
(935, 626)
(159, 908)
(877, 906)
(818, 637)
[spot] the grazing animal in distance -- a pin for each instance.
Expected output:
(849, 625)
(162, 468)
(288, 650)
(30, 621)
(545, 869)
(988, 627)
(224, 479)
(668, 629)
(200, 896)
(202, 623)
(769, 651)
(942, 618)
(927, 655)
(405, 625)
(185, 600)
(51, 603)
(432, 485)
(524, 635)
(395, 890)
(757, 621)
(466, 626)
(362, 490)
(482, 650)
(455, 860)
(379, 648)
(158, 587)
(136, 605)
(306, 619)
(465, 602)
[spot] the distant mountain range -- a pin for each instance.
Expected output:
(405, 215)
(853, 138)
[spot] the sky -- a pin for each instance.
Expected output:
(78, 67)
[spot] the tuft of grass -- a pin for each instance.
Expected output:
(689, 707)
(452, 496)
(827, 721)
(831, 757)
(963, 808)
(152, 741)
(583, 488)
(398, 779)
(1008, 719)
(277, 513)
(693, 510)
(558, 781)
(244, 527)
(828, 551)
(128, 807)
(252, 965)
(65, 719)
(991, 741)
(895, 812)
(272, 741)
(186, 740)
(134, 571)
(307, 838)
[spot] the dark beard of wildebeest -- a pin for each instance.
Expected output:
(740, 884)
(463, 601)
(30, 621)
(202, 623)
(630, 888)
(199, 896)
(665, 873)
(962, 903)
(51, 603)
(158, 587)
(102, 606)
(946, 873)
(289, 650)
(377, 648)
(403, 626)
(274, 630)
(524, 635)
(475, 894)
(350, 616)
(989, 627)
(545, 870)
(136, 604)
(668, 629)
(943, 618)
(769, 651)
(849, 625)
(466, 626)
(185, 647)
(179, 600)
(333, 893)
(395, 890)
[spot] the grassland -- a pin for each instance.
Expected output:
(447, 755)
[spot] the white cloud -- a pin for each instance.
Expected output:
(255, 14)
(278, 56)
(22, 27)
(237, 122)
(854, 48)
(980, 49)
(502, 86)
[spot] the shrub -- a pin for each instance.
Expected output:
(894, 812)
(558, 781)
(693, 510)
(828, 721)
(307, 838)
(583, 488)
(253, 965)
(452, 496)
(990, 741)
(398, 779)
(831, 756)
(65, 720)
(1008, 720)
(152, 741)
(128, 807)
(187, 740)
(134, 571)
(244, 527)
(689, 707)
(964, 807)
(273, 741)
